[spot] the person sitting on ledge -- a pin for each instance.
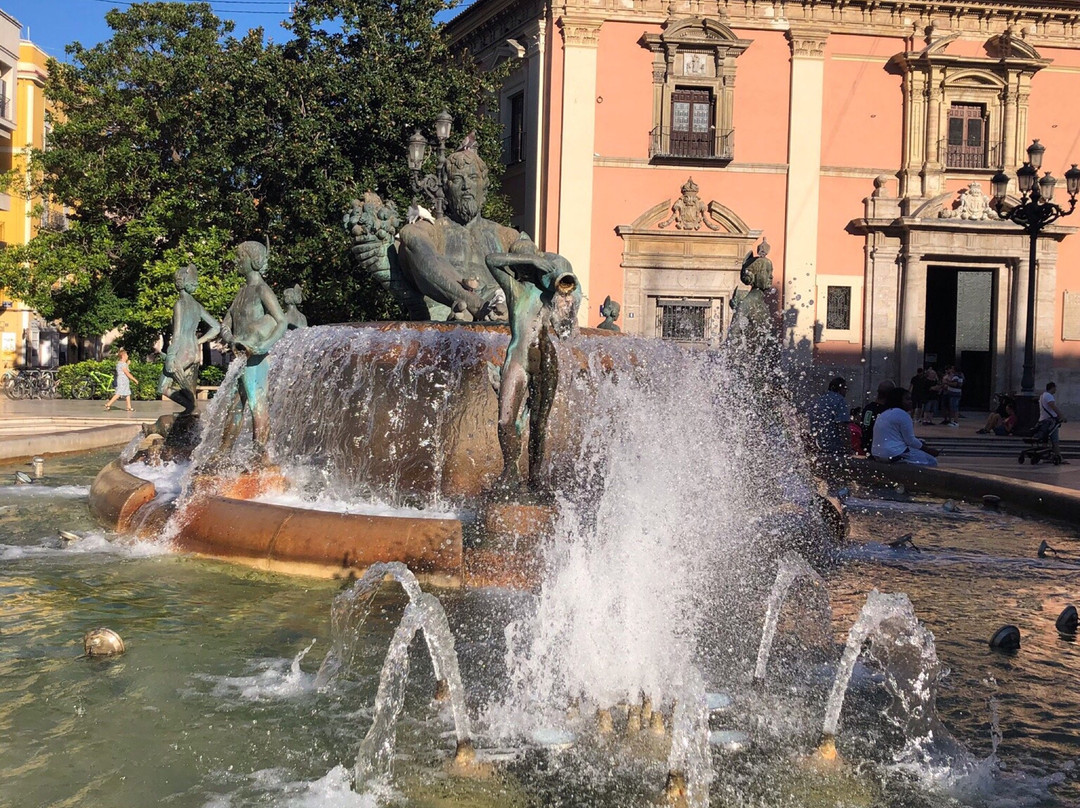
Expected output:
(998, 424)
(894, 433)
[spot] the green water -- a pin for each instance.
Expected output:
(204, 709)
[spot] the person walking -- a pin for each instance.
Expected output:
(1049, 417)
(123, 382)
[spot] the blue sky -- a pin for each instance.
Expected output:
(53, 24)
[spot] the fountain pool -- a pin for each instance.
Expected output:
(215, 703)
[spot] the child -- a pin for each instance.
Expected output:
(123, 382)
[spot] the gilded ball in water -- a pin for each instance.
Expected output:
(100, 642)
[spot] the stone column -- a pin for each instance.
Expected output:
(803, 186)
(933, 173)
(535, 127)
(881, 306)
(1008, 129)
(580, 40)
(1045, 309)
(913, 317)
(1019, 307)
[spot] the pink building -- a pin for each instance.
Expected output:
(858, 136)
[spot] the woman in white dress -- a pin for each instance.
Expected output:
(123, 382)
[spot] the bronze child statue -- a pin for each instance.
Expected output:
(181, 371)
(543, 296)
(292, 298)
(253, 323)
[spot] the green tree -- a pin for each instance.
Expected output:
(174, 140)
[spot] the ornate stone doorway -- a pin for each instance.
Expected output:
(960, 316)
(917, 253)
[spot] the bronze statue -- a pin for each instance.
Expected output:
(293, 297)
(609, 310)
(754, 320)
(544, 296)
(180, 375)
(443, 259)
(253, 323)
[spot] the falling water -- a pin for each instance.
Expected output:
(376, 754)
(127, 454)
(898, 636)
(350, 610)
(792, 566)
(377, 423)
(212, 422)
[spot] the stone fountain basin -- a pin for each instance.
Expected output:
(227, 525)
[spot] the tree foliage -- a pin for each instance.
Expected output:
(176, 139)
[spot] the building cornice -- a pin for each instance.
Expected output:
(1048, 23)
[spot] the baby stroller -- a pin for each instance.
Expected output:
(1040, 443)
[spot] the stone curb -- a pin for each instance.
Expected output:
(76, 440)
(1021, 497)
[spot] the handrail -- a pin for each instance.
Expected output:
(721, 146)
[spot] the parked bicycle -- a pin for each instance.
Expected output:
(94, 384)
(27, 383)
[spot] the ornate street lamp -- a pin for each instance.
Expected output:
(430, 185)
(1035, 211)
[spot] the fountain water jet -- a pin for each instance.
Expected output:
(905, 651)
(376, 755)
(791, 567)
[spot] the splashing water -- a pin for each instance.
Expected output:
(909, 660)
(792, 566)
(376, 754)
(350, 610)
(638, 581)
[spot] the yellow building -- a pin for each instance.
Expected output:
(25, 340)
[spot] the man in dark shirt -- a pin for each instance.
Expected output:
(872, 410)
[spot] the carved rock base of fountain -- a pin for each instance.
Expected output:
(116, 495)
(502, 550)
(506, 552)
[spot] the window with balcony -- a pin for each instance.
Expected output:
(966, 143)
(693, 90)
(692, 130)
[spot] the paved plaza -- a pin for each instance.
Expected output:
(55, 426)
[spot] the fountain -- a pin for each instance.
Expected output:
(598, 536)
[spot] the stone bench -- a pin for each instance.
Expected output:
(205, 391)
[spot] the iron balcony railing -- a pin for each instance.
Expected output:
(955, 155)
(513, 149)
(713, 145)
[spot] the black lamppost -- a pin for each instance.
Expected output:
(431, 185)
(1035, 212)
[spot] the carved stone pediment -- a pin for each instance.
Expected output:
(972, 205)
(721, 244)
(728, 222)
(1008, 45)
